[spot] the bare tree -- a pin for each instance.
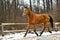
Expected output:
(57, 2)
(38, 5)
(2, 11)
(44, 5)
(51, 5)
(30, 5)
(48, 5)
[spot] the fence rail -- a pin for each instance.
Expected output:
(14, 31)
(4, 24)
(13, 23)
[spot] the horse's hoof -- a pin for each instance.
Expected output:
(40, 35)
(2, 35)
(37, 34)
(24, 36)
(56, 30)
(50, 31)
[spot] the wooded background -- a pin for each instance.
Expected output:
(11, 10)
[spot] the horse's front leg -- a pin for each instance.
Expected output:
(28, 27)
(35, 30)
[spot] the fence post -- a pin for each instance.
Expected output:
(2, 30)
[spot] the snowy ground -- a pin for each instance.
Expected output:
(30, 36)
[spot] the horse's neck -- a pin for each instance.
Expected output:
(30, 14)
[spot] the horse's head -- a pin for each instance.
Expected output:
(25, 11)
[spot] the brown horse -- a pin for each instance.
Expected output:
(34, 19)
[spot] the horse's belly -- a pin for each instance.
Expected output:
(32, 22)
(35, 22)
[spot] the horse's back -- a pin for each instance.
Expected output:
(43, 17)
(39, 18)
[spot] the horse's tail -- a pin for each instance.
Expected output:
(51, 21)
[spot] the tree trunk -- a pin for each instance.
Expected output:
(44, 5)
(51, 5)
(38, 4)
(30, 5)
(48, 5)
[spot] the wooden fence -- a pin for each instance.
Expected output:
(4, 24)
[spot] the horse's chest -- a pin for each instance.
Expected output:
(32, 21)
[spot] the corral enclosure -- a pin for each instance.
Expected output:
(11, 10)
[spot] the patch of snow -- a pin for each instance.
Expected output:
(17, 36)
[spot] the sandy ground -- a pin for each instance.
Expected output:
(30, 36)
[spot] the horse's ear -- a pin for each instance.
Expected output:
(26, 7)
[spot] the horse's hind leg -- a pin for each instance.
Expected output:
(35, 30)
(49, 30)
(45, 25)
(42, 31)
(28, 27)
